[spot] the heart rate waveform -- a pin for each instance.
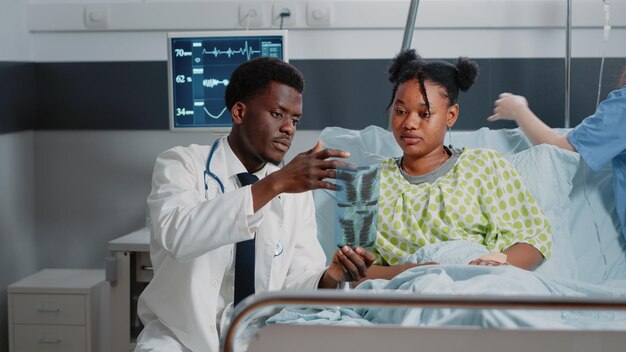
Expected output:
(212, 82)
(246, 51)
(215, 116)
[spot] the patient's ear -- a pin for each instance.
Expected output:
(238, 112)
(453, 113)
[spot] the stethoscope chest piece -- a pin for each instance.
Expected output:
(279, 249)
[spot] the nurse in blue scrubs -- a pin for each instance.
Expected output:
(599, 138)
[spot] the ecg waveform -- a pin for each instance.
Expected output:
(212, 82)
(246, 51)
(215, 116)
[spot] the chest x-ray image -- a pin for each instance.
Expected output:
(357, 206)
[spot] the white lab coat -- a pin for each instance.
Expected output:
(192, 242)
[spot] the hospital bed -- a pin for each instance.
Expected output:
(588, 249)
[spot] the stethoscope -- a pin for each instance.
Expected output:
(208, 173)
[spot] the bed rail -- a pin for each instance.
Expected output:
(355, 298)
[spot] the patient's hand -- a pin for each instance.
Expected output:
(347, 265)
(491, 259)
(485, 262)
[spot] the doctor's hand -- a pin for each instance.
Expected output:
(308, 170)
(305, 172)
(347, 265)
(509, 107)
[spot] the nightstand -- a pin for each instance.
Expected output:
(130, 274)
(56, 310)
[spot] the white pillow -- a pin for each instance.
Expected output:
(547, 172)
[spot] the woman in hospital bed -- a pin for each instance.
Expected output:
(455, 207)
(434, 193)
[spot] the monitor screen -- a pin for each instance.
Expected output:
(199, 68)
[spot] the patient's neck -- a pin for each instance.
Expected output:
(426, 164)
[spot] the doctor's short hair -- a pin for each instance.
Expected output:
(408, 65)
(253, 77)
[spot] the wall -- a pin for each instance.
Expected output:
(96, 185)
(18, 245)
(14, 38)
(351, 93)
(519, 44)
(135, 30)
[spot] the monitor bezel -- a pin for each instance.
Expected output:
(210, 34)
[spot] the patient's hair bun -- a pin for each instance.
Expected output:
(399, 62)
(467, 73)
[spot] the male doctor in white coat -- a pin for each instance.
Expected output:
(200, 218)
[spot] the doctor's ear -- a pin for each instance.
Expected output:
(238, 112)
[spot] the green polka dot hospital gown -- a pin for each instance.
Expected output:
(476, 195)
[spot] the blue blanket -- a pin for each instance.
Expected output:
(454, 277)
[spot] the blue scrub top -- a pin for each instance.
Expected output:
(601, 138)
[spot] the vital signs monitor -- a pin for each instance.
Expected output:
(199, 67)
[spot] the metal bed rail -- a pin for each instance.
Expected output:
(355, 298)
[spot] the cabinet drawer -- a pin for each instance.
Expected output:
(48, 309)
(143, 267)
(49, 338)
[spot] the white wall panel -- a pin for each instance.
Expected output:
(179, 15)
(359, 29)
(344, 44)
(14, 35)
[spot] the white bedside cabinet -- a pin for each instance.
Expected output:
(55, 310)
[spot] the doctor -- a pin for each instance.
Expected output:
(212, 222)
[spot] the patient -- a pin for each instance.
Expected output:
(434, 193)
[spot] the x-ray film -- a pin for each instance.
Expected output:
(357, 206)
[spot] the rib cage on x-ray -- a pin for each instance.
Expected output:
(357, 206)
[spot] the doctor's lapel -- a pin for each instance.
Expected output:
(269, 235)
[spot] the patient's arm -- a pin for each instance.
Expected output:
(524, 256)
(388, 272)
